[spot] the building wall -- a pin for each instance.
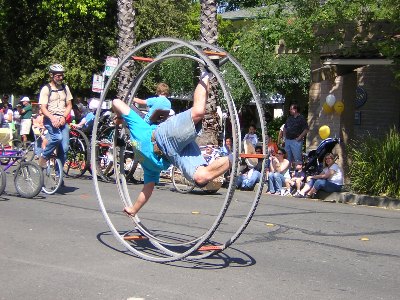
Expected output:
(382, 109)
(380, 113)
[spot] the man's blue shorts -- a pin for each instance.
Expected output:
(176, 139)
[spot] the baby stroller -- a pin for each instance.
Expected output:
(313, 163)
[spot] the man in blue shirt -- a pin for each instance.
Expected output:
(173, 141)
(154, 103)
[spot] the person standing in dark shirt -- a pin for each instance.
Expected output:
(295, 130)
(26, 119)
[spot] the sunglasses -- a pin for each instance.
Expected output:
(280, 153)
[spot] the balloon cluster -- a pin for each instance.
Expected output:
(331, 105)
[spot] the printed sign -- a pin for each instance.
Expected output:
(111, 63)
(98, 83)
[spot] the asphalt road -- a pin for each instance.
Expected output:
(60, 247)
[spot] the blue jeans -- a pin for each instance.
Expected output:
(58, 139)
(293, 150)
(324, 185)
(275, 182)
(245, 182)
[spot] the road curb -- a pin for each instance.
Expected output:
(357, 199)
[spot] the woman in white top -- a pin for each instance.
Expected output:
(278, 172)
(329, 180)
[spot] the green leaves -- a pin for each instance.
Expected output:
(66, 10)
(375, 165)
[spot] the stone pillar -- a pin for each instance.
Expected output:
(347, 119)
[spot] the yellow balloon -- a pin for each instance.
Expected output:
(324, 132)
(326, 108)
(339, 106)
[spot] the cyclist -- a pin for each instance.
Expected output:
(56, 103)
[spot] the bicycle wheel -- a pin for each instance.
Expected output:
(78, 156)
(181, 184)
(104, 154)
(2, 181)
(53, 176)
(28, 179)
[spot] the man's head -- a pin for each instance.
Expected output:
(5, 99)
(25, 101)
(228, 142)
(294, 109)
(258, 149)
(56, 72)
(162, 89)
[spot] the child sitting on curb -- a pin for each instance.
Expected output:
(298, 177)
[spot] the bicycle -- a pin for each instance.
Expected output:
(52, 177)
(78, 157)
(28, 177)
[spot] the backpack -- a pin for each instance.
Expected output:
(63, 88)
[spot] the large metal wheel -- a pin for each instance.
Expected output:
(188, 248)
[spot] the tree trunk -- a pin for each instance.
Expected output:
(126, 42)
(209, 34)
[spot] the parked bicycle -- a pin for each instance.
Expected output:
(28, 176)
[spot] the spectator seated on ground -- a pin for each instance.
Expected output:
(329, 180)
(296, 181)
(278, 173)
(209, 153)
(251, 173)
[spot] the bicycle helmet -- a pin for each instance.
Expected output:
(56, 68)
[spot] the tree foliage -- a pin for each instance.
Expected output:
(81, 33)
(78, 35)
(287, 75)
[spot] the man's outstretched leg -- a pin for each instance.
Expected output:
(200, 97)
(205, 174)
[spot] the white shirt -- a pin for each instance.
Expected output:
(337, 177)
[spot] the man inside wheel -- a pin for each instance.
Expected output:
(173, 141)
